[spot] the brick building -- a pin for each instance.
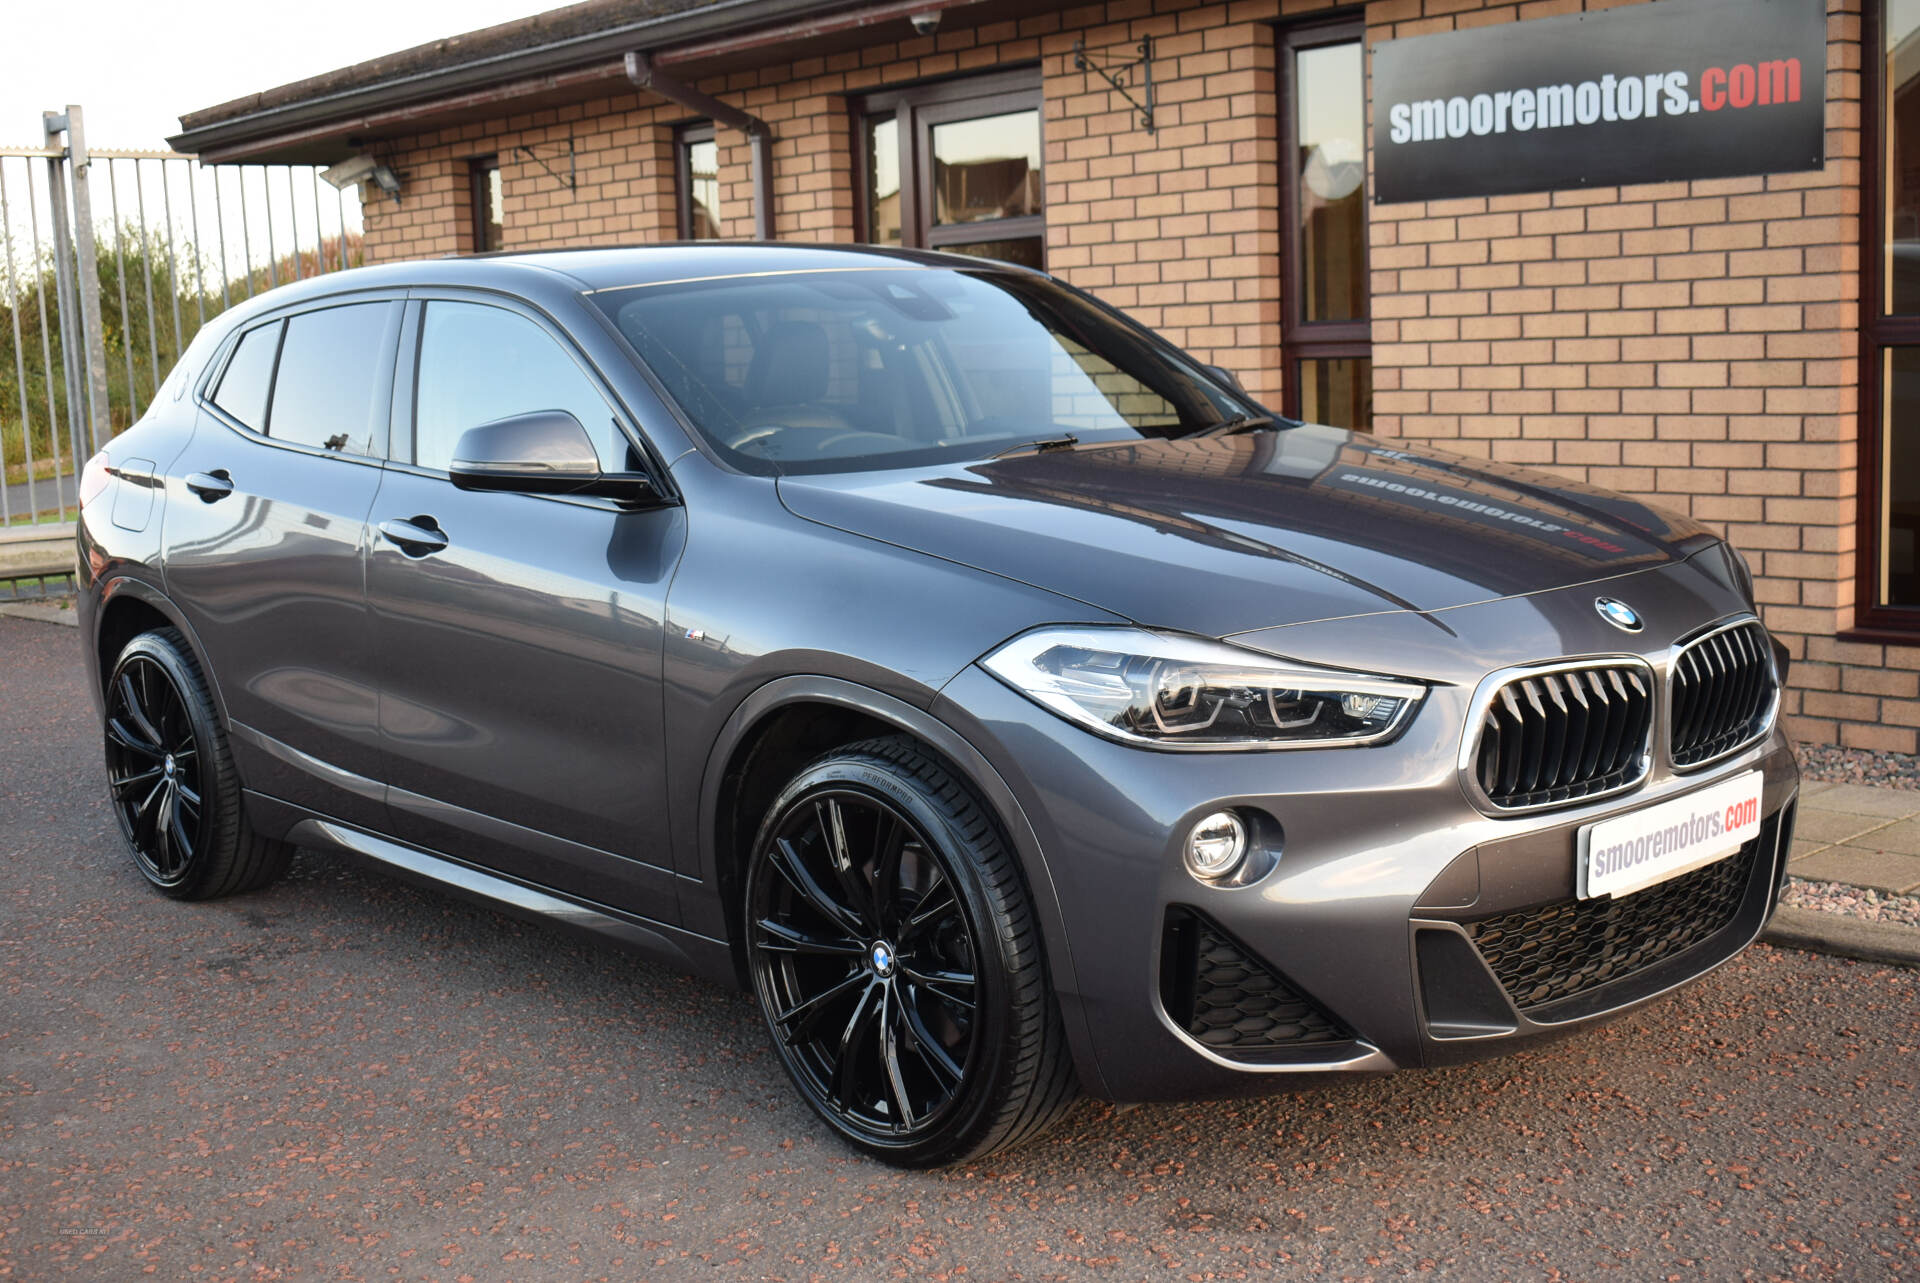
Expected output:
(1732, 347)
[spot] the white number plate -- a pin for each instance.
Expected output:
(1634, 851)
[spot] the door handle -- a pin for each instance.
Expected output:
(416, 536)
(211, 486)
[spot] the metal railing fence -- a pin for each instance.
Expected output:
(110, 262)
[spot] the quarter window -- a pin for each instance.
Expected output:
(249, 376)
(481, 363)
(328, 392)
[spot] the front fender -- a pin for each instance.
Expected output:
(770, 698)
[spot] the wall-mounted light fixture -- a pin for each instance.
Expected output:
(362, 169)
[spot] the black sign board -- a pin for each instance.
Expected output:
(1649, 93)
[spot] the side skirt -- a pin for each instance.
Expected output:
(710, 959)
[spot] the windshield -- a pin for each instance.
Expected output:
(845, 370)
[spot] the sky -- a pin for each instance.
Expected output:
(136, 67)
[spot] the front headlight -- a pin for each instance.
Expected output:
(1162, 690)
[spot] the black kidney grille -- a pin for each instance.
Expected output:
(1543, 955)
(1723, 688)
(1554, 737)
(1229, 999)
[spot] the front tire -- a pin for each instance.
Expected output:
(171, 780)
(896, 959)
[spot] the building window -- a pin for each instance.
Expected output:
(956, 166)
(489, 204)
(1326, 338)
(699, 162)
(1889, 504)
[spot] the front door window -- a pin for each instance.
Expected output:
(481, 363)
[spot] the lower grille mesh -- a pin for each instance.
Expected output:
(1543, 955)
(1227, 998)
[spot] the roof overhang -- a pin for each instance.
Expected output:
(331, 117)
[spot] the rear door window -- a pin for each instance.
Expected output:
(335, 367)
(249, 376)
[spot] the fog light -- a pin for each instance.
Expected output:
(1216, 846)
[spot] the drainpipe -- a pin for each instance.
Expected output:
(641, 71)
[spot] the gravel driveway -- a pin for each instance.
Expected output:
(346, 1077)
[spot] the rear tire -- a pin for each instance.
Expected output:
(171, 781)
(896, 959)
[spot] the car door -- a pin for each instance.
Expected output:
(520, 635)
(264, 543)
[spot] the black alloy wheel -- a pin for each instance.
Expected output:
(154, 770)
(868, 909)
(171, 780)
(868, 963)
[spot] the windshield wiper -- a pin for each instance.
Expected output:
(1240, 423)
(1042, 446)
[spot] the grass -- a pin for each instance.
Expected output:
(52, 592)
(45, 517)
(43, 469)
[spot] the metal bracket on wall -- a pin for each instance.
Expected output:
(568, 179)
(1119, 74)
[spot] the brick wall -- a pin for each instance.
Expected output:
(1694, 343)
(623, 181)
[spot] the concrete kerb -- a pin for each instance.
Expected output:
(41, 612)
(1845, 937)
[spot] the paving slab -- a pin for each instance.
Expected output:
(1880, 870)
(1901, 836)
(1862, 799)
(1824, 828)
(1801, 850)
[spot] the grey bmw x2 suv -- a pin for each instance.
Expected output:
(1009, 702)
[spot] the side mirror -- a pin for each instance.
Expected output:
(545, 452)
(1226, 376)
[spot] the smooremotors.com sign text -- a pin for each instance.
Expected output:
(1671, 90)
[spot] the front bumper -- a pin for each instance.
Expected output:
(1375, 942)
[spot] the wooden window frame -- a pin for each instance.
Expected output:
(1302, 340)
(1874, 621)
(700, 131)
(481, 201)
(917, 109)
